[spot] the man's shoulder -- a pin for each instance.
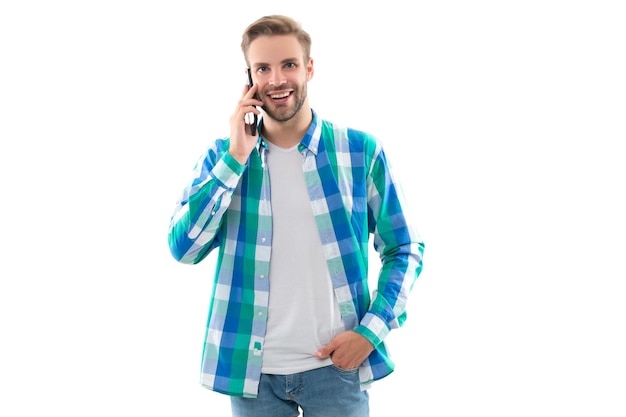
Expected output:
(341, 130)
(213, 150)
(355, 138)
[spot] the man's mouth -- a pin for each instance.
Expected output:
(280, 96)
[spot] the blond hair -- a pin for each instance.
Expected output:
(275, 25)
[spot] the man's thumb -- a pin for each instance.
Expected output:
(324, 352)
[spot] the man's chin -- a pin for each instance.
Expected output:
(280, 114)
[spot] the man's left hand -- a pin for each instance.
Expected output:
(347, 350)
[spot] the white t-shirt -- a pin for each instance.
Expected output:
(303, 312)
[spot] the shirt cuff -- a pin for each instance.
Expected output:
(228, 170)
(373, 328)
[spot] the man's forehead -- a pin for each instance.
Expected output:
(274, 49)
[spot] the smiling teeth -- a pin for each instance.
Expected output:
(280, 95)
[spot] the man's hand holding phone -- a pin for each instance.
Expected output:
(242, 138)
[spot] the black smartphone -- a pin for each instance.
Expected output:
(252, 127)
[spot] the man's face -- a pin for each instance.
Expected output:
(279, 69)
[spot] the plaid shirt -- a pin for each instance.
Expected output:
(353, 194)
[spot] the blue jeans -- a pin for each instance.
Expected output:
(323, 392)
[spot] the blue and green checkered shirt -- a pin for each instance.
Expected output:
(353, 194)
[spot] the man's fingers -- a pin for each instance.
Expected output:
(324, 352)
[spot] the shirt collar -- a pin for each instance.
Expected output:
(310, 141)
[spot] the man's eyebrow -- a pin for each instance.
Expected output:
(265, 64)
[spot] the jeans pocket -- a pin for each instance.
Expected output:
(345, 371)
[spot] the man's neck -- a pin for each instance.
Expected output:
(288, 134)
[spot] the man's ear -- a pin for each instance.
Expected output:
(309, 70)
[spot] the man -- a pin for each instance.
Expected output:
(292, 322)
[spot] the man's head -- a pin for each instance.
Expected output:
(277, 52)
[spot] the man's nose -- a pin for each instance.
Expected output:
(277, 78)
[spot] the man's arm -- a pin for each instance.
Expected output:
(400, 248)
(194, 226)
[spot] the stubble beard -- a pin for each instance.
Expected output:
(284, 113)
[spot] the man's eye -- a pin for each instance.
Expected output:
(262, 69)
(290, 65)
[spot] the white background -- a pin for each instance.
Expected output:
(503, 119)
